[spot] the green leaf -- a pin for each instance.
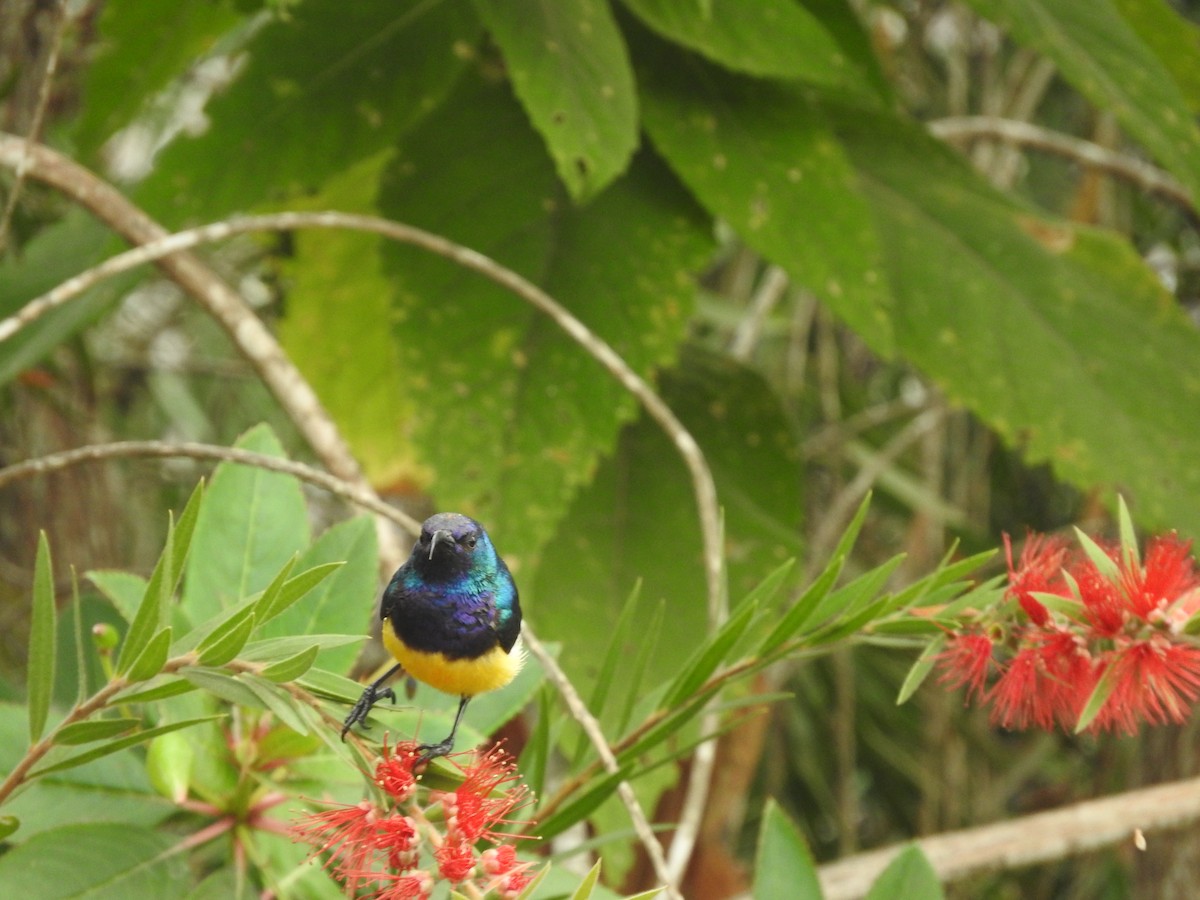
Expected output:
(908, 875)
(622, 264)
(614, 657)
(320, 91)
(140, 51)
(152, 658)
(274, 649)
(337, 588)
(783, 864)
(767, 38)
(761, 156)
(588, 884)
(292, 667)
(170, 688)
(226, 642)
(587, 801)
(8, 826)
(252, 522)
(568, 65)
(709, 655)
(120, 743)
(280, 702)
(1096, 700)
(920, 669)
(1173, 39)
(42, 644)
(1105, 564)
(151, 612)
(94, 730)
(1129, 544)
(93, 860)
(222, 684)
(1034, 318)
(1097, 51)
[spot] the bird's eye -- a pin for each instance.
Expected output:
(470, 543)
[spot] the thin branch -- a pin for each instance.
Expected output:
(1038, 838)
(591, 727)
(39, 115)
(251, 337)
(354, 493)
(1025, 134)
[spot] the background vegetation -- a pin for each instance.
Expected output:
(945, 251)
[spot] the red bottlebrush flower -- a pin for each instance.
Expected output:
(474, 809)
(413, 886)
(966, 661)
(1038, 571)
(1103, 603)
(498, 860)
(1169, 572)
(1154, 681)
(397, 837)
(455, 859)
(514, 883)
(1048, 681)
(347, 834)
(394, 773)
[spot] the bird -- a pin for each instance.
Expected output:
(451, 619)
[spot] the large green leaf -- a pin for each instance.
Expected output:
(252, 522)
(508, 412)
(342, 602)
(1058, 336)
(761, 156)
(783, 865)
(93, 860)
(331, 273)
(1098, 52)
(1174, 39)
(768, 38)
(140, 49)
(637, 520)
(326, 85)
(568, 64)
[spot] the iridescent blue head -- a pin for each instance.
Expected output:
(452, 545)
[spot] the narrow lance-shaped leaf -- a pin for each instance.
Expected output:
(921, 669)
(588, 884)
(1100, 694)
(149, 616)
(227, 641)
(94, 730)
(292, 667)
(612, 659)
(1102, 561)
(81, 644)
(1129, 545)
(120, 743)
(278, 598)
(709, 655)
(152, 658)
(42, 645)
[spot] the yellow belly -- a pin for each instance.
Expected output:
(464, 677)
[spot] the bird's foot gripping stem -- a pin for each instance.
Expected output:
(372, 694)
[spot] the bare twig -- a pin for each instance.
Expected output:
(608, 759)
(1026, 134)
(347, 490)
(39, 114)
(1041, 837)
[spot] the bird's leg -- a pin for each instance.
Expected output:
(372, 694)
(431, 751)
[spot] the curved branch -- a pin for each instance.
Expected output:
(1038, 838)
(347, 490)
(1026, 134)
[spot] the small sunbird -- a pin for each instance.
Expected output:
(451, 619)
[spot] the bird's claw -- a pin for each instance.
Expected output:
(427, 752)
(371, 695)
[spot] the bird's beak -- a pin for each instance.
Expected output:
(438, 537)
